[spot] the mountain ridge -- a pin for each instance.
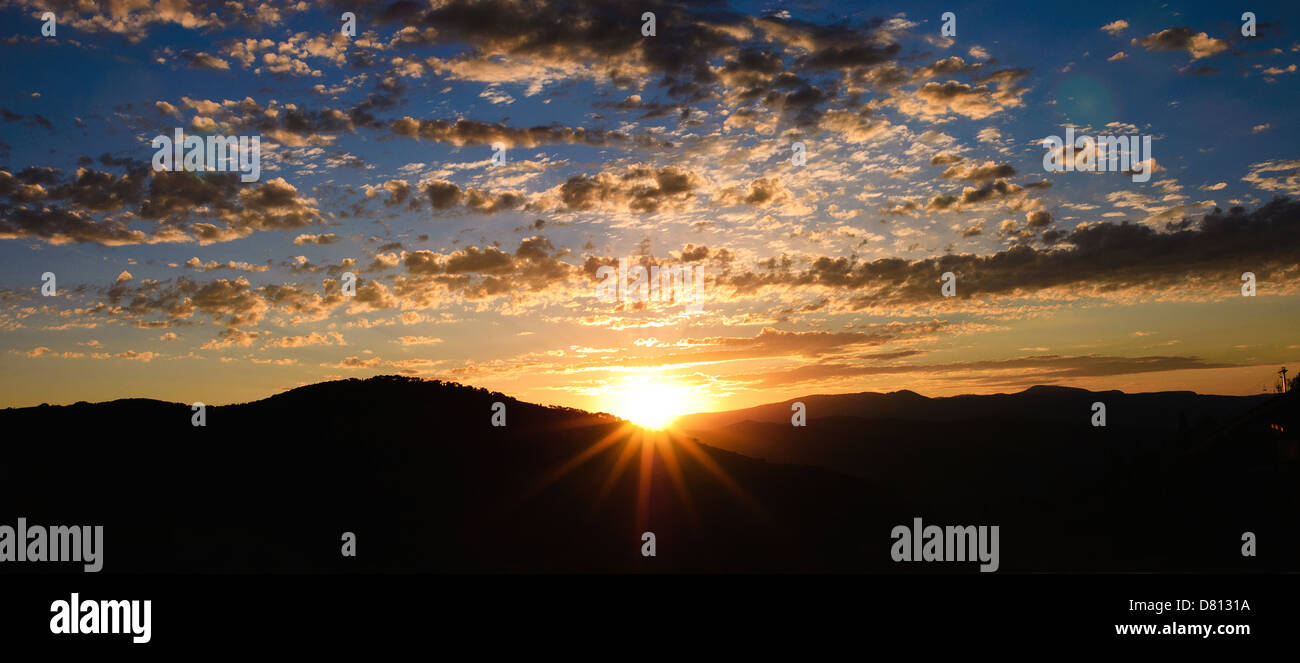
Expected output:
(1062, 403)
(416, 470)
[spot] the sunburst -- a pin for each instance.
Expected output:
(650, 406)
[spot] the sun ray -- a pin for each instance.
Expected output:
(620, 466)
(693, 448)
(644, 479)
(674, 468)
(571, 464)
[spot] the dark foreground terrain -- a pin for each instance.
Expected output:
(418, 473)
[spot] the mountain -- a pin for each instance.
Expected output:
(885, 437)
(416, 470)
(1068, 405)
(418, 473)
(1171, 482)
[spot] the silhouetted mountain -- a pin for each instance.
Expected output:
(876, 435)
(1160, 486)
(1068, 405)
(416, 470)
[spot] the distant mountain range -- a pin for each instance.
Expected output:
(875, 435)
(416, 470)
(1064, 405)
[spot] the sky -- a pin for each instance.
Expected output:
(474, 165)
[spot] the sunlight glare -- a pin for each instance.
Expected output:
(653, 404)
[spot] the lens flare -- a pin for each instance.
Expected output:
(653, 403)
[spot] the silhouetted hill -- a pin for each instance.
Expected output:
(1159, 410)
(1133, 494)
(872, 434)
(417, 471)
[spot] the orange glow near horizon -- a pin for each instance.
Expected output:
(652, 402)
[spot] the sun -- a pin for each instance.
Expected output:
(653, 403)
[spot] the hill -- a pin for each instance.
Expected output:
(416, 470)
(1159, 410)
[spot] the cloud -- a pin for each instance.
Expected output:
(1039, 369)
(417, 340)
(445, 195)
(1288, 180)
(132, 355)
(205, 61)
(32, 120)
(772, 343)
(92, 206)
(133, 20)
(1091, 260)
(320, 240)
(764, 191)
(464, 132)
(355, 363)
(60, 226)
(990, 191)
(1039, 219)
(314, 338)
(477, 273)
(1115, 28)
(978, 172)
(398, 191)
(977, 100)
(231, 302)
(637, 188)
(211, 265)
(232, 337)
(1180, 38)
